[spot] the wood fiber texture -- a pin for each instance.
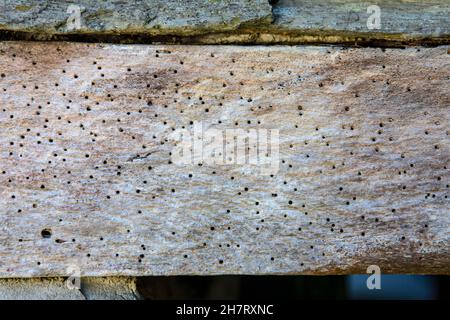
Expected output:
(87, 180)
(152, 16)
(402, 22)
(410, 18)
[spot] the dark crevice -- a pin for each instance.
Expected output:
(239, 37)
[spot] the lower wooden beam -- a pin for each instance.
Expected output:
(349, 169)
(102, 288)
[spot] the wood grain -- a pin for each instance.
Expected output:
(403, 22)
(404, 18)
(155, 17)
(87, 177)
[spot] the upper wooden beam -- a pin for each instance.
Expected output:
(90, 181)
(231, 21)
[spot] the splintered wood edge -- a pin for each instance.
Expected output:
(89, 184)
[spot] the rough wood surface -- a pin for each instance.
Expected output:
(403, 22)
(95, 288)
(159, 17)
(407, 17)
(87, 180)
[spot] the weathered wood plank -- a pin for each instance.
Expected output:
(88, 177)
(411, 18)
(401, 22)
(157, 17)
(95, 288)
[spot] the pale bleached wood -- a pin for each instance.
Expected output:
(364, 148)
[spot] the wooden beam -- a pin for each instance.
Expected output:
(391, 22)
(89, 177)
